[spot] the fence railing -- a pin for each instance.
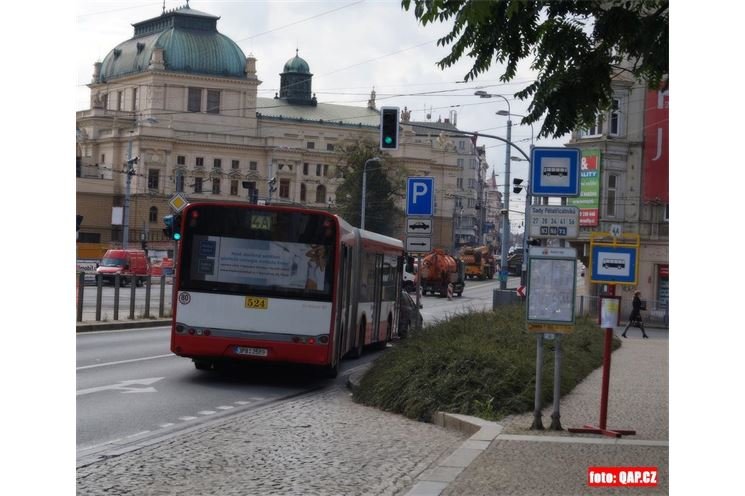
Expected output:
(98, 302)
(656, 312)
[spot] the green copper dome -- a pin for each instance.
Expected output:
(190, 43)
(296, 64)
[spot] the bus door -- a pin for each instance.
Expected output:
(343, 319)
(377, 295)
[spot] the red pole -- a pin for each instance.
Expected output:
(606, 368)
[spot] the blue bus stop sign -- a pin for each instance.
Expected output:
(554, 171)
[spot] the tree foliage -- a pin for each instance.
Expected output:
(385, 185)
(578, 47)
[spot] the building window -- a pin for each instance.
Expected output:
(179, 183)
(153, 178)
(284, 188)
(253, 166)
(596, 129)
(134, 99)
(329, 147)
(235, 164)
(305, 169)
(103, 158)
(200, 161)
(302, 192)
(153, 215)
(460, 163)
(217, 163)
(181, 160)
(215, 186)
(213, 102)
(120, 100)
(318, 169)
(459, 183)
(234, 187)
(310, 145)
(195, 100)
(610, 197)
(197, 185)
(615, 125)
(321, 194)
(325, 170)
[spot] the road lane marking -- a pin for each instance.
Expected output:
(124, 361)
(125, 386)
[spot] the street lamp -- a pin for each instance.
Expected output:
(364, 189)
(506, 216)
(131, 161)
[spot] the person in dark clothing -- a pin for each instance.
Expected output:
(635, 318)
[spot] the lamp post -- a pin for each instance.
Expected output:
(506, 210)
(131, 161)
(364, 190)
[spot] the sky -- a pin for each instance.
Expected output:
(389, 51)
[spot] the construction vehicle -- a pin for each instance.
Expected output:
(480, 262)
(438, 271)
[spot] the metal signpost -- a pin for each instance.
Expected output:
(613, 260)
(554, 172)
(420, 206)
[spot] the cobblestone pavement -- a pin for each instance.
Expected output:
(318, 444)
(525, 462)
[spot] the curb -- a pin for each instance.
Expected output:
(433, 480)
(111, 326)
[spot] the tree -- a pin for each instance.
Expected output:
(385, 185)
(578, 47)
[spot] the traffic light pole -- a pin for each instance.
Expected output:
(125, 217)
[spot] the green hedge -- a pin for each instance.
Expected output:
(480, 364)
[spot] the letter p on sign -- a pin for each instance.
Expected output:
(420, 196)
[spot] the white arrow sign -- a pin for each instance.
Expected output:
(125, 386)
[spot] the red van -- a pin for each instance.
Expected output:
(129, 264)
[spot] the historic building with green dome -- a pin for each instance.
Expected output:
(182, 98)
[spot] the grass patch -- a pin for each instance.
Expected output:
(480, 364)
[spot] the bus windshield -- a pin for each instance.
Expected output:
(258, 252)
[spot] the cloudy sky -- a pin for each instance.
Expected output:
(351, 46)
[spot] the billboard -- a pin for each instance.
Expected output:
(656, 176)
(588, 201)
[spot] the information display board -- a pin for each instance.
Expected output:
(551, 286)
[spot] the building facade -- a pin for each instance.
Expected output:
(180, 99)
(625, 184)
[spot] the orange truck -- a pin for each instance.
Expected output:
(480, 262)
(438, 270)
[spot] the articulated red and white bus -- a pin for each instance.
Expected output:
(281, 284)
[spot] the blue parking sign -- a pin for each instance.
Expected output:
(420, 196)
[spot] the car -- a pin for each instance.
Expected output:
(409, 316)
(419, 225)
(515, 263)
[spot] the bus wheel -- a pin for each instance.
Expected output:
(331, 371)
(203, 364)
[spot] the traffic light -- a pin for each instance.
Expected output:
(173, 227)
(516, 188)
(389, 128)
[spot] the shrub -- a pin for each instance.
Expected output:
(480, 364)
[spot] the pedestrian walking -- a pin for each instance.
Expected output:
(635, 318)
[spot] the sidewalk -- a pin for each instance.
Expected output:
(520, 461)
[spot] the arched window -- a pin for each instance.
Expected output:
(321, 194)
(153, 216)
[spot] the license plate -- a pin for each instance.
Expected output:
(257, 303)
(242, 350)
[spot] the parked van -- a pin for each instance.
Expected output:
(131, 265)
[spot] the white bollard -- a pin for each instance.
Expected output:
(450, 291)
